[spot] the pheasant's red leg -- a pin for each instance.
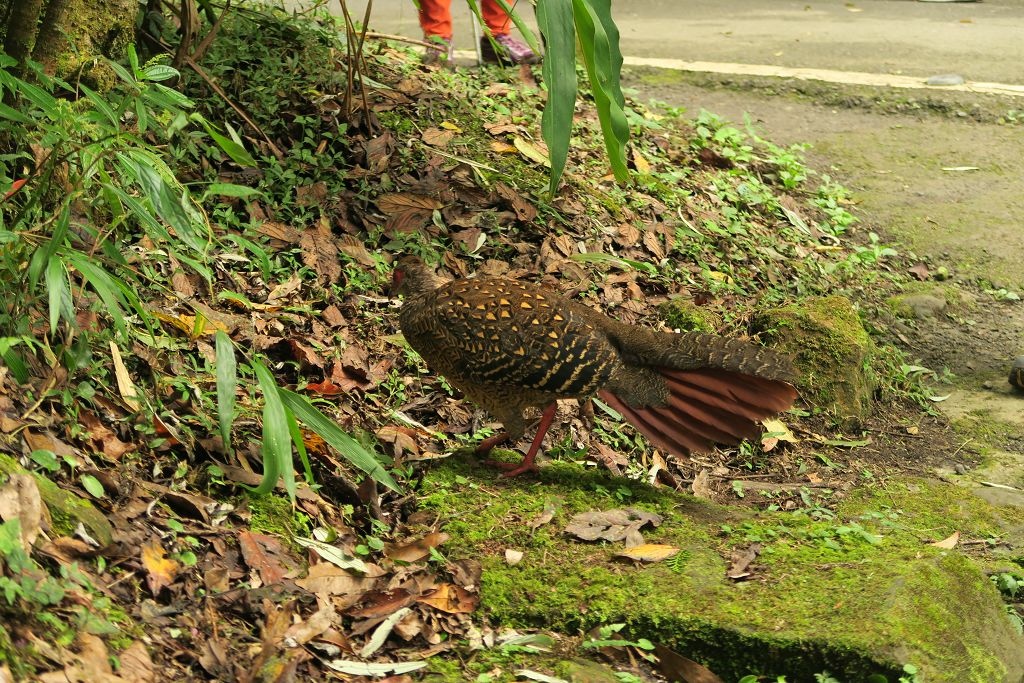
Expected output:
(485, 446)
(528, 465)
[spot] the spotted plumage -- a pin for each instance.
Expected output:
(511, 345)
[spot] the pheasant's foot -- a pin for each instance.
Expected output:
(488, 444)
(512, 469)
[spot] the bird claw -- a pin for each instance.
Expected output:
(512, 469)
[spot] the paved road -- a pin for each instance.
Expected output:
(982, 41)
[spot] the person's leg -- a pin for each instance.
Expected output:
(495, 19)
(436, 19)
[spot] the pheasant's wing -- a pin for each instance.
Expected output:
(496, 331)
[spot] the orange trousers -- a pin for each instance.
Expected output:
(436, 17)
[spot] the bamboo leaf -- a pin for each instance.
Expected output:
(599, 40)
(227, 382)
(59, 291)
(277, 448)
(330, 432)
(559, 71)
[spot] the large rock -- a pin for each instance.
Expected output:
(854, 595)
(832, 352)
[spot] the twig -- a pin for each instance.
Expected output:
(245, 117)
(401, 39)
(207, 40)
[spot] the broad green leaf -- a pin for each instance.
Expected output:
(159, 72)
(277, 447)
(92, 485)
(227, 382)
(599, 40)
(235, 151)
(330, 432)
(559, 71)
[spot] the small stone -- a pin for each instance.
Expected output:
(513, 557)
(959, 469)
(945, 79)
(987, 384)
(924, 305)
(941, 273)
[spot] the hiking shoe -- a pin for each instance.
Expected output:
(507, 50)
(442, 55)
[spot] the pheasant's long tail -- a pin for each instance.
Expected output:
(706, 407)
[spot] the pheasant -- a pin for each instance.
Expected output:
(510, 346)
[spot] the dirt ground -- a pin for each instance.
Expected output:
(896, 164)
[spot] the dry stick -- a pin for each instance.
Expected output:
(400, 39)
(245, 117)
(189, 28)
(207, 40)
(362, 59)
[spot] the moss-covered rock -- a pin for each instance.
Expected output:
(832, 351)
(857, 595)
(95, 29)
(682, 314)
(66, 509)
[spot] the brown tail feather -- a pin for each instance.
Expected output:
(679, 443)
(760, 393)
(705, 407)
(735, 426)
(687, 392)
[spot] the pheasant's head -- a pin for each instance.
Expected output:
(411, 276)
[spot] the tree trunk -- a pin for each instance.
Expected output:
(50, 42)
(21, 30)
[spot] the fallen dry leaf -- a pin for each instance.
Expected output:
(320, 252)
(676, 667)
(649, 552)
(701, 486)
(354, 248)
(125, 386)
(550, 508)
(775, 431)
(19, 499)
(136, 664)
(416, 550)
(160, 569)
(437, 137)
(741, 559)
(328, 580)
(265, 555)
(612, 525)
(533, 151)
(948, 543)
(450, 599)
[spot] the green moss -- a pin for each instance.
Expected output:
(275, 516)
(859, 594)
(680, 314)
(832, 350)
(66, 509)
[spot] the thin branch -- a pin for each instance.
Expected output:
(245, 117)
